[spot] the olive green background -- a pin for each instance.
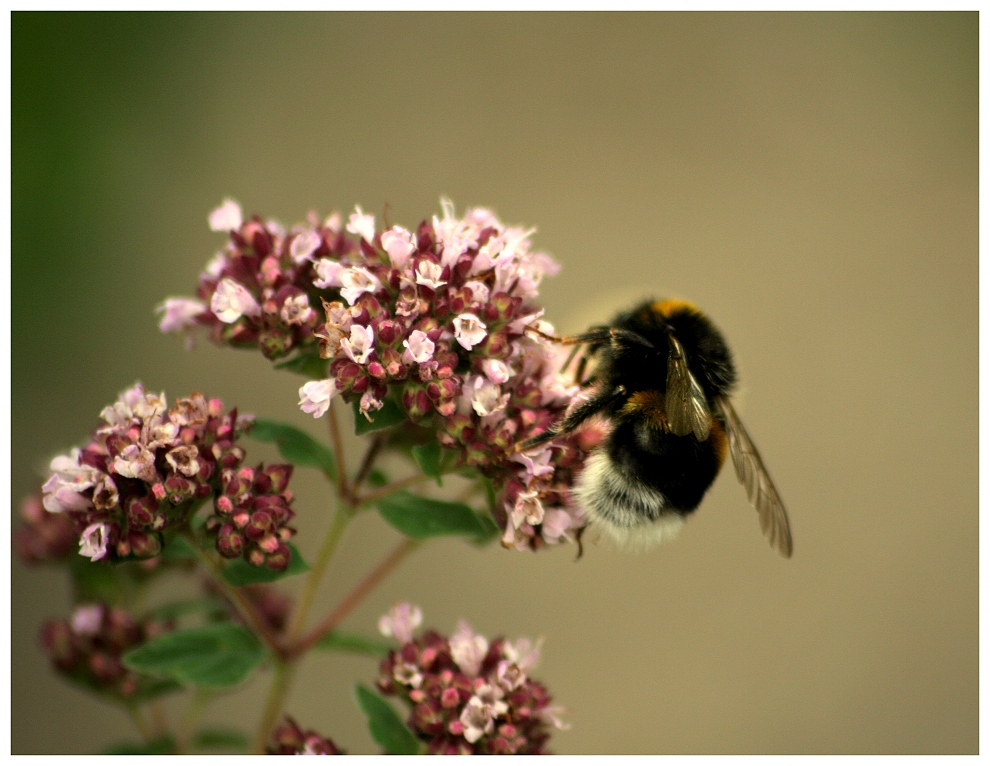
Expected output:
(809, 180)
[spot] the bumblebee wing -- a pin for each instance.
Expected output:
(752, 474)
(685, 402)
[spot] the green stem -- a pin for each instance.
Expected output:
(316, 572)
(238, 599)
(142, 726)
(356, 596)
(194, 710)
(279, 690)
(388, 489)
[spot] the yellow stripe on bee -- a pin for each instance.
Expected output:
(649, 403)
(671, 306)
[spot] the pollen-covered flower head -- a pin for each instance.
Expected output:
(441, 321)
(466, 694)
(148, 467)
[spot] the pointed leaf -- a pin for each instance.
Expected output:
(387, 729)
(178, 549)
(162, 746)
(176, 609)
(389, 415)
(219, 738)
(428, 457)
(296, 446)
(238, 572)
(310, 365)
(210, 657)
(422, 517)
(351, 642)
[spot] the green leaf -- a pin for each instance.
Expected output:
(178, 549)
(389, 415)
(296, 446)
(376, 479)
(210, 657)
(491, 529)
(422, 517)
(98, 581)
(162, 746)
(428, 457)
(351, 642)
(310, 365)
(387, 729)
(238, 572)
(158, 687)
(219, 738)
(176, 609)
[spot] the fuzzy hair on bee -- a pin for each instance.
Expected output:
(661, 374)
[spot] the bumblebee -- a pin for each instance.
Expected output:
(662, 375)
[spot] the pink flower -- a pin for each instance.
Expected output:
(487, 397)
(400, 622)
(179, 314)
(362, 224)
(315, 397)
(94, 540)
(296, 309)
(227, 217)
(356, 282)
(428, 275)
(528, 509)
(360, 345)
(496, 370)
(399, 245)
(328, 272)
(232, 300)
(469, 330)
(87, 619)
(468, 648)
(419, 347)
(304, 244)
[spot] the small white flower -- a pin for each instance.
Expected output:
(496, 370)
(328, 273)
(369, 403)
(315, 396)
(296, 309)
(479, 292)
(333, 222)
(231, 300)
(400, 622)
(419, 348)
(360, 345)
(87, 619)
(303, 245)
(94, 540)
(399, 245)
(136, 462)
(528, 508)
(428, 274)
(356, 281)
(362, 224)
(184, 459)
(226, 217)
(179, 313)
(216, 265)
(469, 330)
(487, 397)
(537, 463)
(468, 649)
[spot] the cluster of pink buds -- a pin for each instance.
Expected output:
(88, 646)
(290, 739)
(43, 536)
(443, 321)
(467, 695)
(146, 469)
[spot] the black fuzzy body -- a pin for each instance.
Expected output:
(643, 474)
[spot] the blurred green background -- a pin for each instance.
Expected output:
(810, 180)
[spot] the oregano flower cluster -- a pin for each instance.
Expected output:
(148, 467)
(467, 695)
(441, 322)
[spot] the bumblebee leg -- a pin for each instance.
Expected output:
(580, 414)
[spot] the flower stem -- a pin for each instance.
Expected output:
(343, 489)
(194, 710)
(284, 674)
(316, 572)
(356, 596)
(238, 599)
(388, 489)
(142, 726)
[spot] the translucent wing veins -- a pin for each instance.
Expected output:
(685, 402)
(752, 474)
